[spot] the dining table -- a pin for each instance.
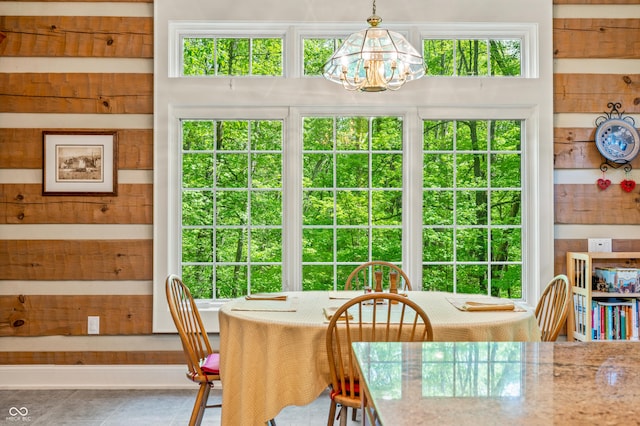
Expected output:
(499, 383)
(273, 346)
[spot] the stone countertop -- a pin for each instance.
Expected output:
(501, 383)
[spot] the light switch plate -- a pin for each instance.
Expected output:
(600, 244)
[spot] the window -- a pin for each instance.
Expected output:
(472, 210)
(473, 57)
(264, 183)
(232, 56)
(352, 196)
(231, 207)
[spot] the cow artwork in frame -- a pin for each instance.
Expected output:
(79, 163)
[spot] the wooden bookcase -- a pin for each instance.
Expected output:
(580, 268)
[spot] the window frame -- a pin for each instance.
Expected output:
(289, 97)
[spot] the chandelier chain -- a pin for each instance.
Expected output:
(374, 7)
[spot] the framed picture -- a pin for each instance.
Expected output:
(79, 163)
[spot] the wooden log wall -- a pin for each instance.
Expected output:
(62, 280)
(597, 61)
(49, 284)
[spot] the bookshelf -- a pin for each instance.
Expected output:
(587, 305)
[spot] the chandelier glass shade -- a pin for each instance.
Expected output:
(374, 60)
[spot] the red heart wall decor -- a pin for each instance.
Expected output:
(604, 183)
(628, 185)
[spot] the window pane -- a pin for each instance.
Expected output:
(232, 170)
(506, 207)
(472, 245)
(471, 170)
(506, 244)
(197, 208)
(197, 135)
(353, 207)
(318, 171)
(199, 279)
(317, 207)
(266, 246)
(505, 57)
(198, 56)
(387, 244)
(231, 281)
(318, 134)
(438, 55)
(316, 52)
(352, 170)
(232, 56)
(266, 56)
(231, 207)
(438, 278)
(266, 170)
(386, 208)
(197, 245)
(231, 245)
(197, 170)
(353, 245)
(317, 277)
(437, 208)
(472, 57)
(317, 245)
(266, 208)
(472, 279)
(437, 245)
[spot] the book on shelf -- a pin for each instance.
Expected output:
(614, 319)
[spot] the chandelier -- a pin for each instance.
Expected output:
(374, 60)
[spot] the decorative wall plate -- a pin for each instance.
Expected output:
(616, 138)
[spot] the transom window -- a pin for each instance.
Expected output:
(475, 57)
(232, 56)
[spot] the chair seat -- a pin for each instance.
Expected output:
(211, 364)
(347, 386)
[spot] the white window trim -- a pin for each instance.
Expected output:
(432, 97)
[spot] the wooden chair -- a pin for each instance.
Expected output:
(377, 272)
(203, 365)
(366, 319)
(553, 307)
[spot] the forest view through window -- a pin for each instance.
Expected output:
(353, 182)
(352, 201)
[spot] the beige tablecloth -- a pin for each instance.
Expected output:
(276, 357)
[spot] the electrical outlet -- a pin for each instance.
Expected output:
(600, 244)
(93, 325)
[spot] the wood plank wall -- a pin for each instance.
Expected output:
(79, 269)
(65, 258)
(597, 61)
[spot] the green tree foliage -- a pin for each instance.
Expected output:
(352, 183)
(473, 57)
(232, 56)
(472, 207)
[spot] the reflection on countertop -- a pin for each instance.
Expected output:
(500, 383)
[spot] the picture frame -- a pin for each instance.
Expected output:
(79, 163)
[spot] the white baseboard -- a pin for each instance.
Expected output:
(95, 377)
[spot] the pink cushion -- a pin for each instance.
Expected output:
(211, 365)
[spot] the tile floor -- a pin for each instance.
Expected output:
(93, 407)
